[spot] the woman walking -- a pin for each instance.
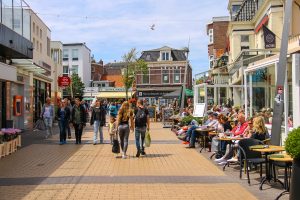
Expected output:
(78, 119)
(47, 115)
(63, 116)
(125, 121)
(98, 119)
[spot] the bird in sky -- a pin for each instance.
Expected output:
(152, 27)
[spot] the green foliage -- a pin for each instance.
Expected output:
(133, 65)
(77, 86)
(292, 143)
(187, 120)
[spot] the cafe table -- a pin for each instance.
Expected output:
(287, 160)
(267, 150)
(204, 132)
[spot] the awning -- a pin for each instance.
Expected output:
(264, 21)
(114, 95)
(88, 98)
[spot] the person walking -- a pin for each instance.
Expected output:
(142, 122)
(125, 121)
(63, 116)
(47, 115)
(78, 119)
(68, 104)
(113, 110)
(98, 119)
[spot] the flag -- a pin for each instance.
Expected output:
(269, 37)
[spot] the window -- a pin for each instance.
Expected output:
(74, 54)
(66, 69)
(41, 49)
(211, 61)
(37, 45)
(244, 47)
(148, 57)
(165, 56)
(33, 27)
(165, 76)
(37, 30)
(66, 54)
(33, 42)
(211, 36)
(48, 46)
(74, 69)
(17, 24)
(41, 33)
(235, 9)
(145, 78)
(176, 76)
(244, 38)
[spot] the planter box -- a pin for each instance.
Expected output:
(14, 143)
(2, 150)
(8, 148)
(19, 141)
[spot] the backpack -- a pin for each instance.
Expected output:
(141, 117)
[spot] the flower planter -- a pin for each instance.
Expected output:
(295, 181)
(14, 145)
(2, 150)
(8, 148)
(19, 141)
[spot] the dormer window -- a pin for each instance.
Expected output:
(165, 56)
(148, 57)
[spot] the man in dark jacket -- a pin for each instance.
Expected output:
(78, 119)
(98, 119)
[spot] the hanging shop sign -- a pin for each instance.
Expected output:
(63, 81)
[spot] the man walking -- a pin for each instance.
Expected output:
(47, 115)
(78, 119)
(142, 123)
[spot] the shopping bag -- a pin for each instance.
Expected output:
(40, 125)
(116, 146)
(147, 139)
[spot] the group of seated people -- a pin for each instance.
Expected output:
(231, 123)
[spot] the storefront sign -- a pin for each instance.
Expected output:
(152, 93)
(63, 81)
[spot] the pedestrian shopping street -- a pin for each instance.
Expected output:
(42, 169)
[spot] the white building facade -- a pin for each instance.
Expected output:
(77, 59)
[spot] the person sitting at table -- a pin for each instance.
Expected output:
(224, 125)
(194, 134)
(236, 131)
(260, 131)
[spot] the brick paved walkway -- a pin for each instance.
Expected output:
(47, 170)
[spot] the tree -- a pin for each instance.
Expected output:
(133, 65)
(77, 86)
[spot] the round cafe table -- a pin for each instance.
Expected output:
(267, 150)
(287, 160)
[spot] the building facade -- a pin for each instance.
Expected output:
(77, 59)
(166, 74)
(56, 56)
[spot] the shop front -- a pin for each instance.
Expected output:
(41, 90)
(155, 97)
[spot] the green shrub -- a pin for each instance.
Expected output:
(187, 120)
(292, 143)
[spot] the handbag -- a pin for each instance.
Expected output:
(147, 139)
(116, 144)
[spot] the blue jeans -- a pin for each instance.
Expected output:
(62, 130)
(97, 128)
(48, 123)
(140, 133)
(189, 132)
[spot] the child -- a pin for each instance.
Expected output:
(112, 129)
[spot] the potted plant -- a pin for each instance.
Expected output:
(292, 146)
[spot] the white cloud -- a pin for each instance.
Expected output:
(111, 28)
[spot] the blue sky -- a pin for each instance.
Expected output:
(111, 28)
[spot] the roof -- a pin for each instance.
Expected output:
(114, 78)
(76, 44)
(154, 54)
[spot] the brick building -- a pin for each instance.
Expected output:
(166, 68)
(97, 70)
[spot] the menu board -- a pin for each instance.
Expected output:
(166, 114)
(199, 110)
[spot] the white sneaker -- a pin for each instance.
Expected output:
(220, 160)
(222, 163)
(124, 156)
(233, 159)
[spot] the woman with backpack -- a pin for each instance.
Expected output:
(98, 119)
(125, 121)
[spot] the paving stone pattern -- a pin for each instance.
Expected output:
(46, 170)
